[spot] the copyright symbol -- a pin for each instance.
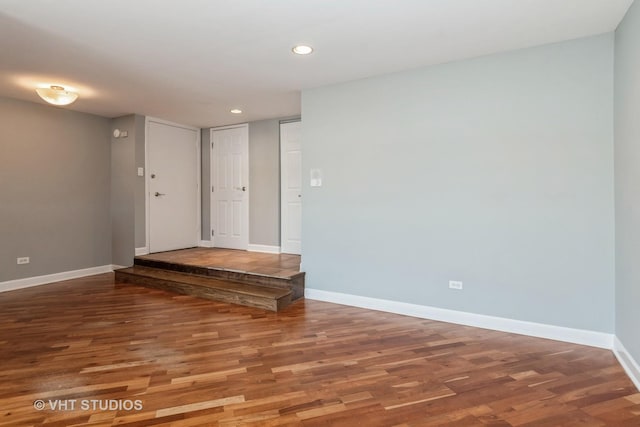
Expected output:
(39, 405)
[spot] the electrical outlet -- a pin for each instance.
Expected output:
(455, 285)
(23, 260)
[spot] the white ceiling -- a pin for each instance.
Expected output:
(191, 61)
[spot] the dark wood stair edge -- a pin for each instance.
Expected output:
(207, 292)
(295, 283)
(193, 279)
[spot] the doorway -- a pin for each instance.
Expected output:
(173, 188)
(291, 187)
(230, 187)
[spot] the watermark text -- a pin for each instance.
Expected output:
(88, 405)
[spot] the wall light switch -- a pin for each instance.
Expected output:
(23, 260)
(140, 171)
(316, 177)
(454, 284)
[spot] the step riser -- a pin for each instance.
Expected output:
(296, 284)
(204, 292)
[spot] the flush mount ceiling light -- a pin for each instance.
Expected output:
(57, 95)
(302, 49)
(235, 111)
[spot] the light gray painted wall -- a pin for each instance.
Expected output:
(627, 179)
(54, 190)
(140, 201)
(123, 152)
(264, 181)
(206, 183)
(127, 189)
(496, 171)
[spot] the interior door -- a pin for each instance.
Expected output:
(291, 187)
(230, 187)
(173, 186)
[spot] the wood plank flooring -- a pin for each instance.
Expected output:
(193, 362)
(275, 265)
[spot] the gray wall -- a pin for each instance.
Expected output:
(496, 171)
(264, 183)
(127, 189)
(206, 183)
(140, 201)
(123, 192)
(627, 179)
(54, 190)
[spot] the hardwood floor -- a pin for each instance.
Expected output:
(276, 265)
(193, 362)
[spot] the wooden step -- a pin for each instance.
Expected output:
(294, 283)
(268, 298)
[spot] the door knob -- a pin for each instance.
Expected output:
(160, 194)
(244, 188)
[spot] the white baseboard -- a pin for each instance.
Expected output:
(142, 251)
(263, 248)
(560, 333)
(251, 247)
(629, 364)
(117, 267)
(28, 282)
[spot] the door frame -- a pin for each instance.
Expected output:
(212, 162)
(147, 197)
(282, 182)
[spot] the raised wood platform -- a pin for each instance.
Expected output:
(266, 281)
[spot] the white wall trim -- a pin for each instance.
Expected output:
(28, 282)
(540, 330)
(142, 251)
(115, 267)
(205, 244)
(238, 125)
(629, 364)
(251, 248)
(263, 248)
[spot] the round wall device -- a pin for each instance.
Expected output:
(116, 133)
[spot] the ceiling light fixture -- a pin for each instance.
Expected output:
(235, 111)
(302, 49)
(57, 95)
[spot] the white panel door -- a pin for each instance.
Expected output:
(291, 187)
(173, 186)
(230, 192)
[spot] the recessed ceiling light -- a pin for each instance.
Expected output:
(302, 49)
(235, 111)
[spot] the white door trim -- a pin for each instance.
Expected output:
(147, 121)
(239, 125)
(212, 162)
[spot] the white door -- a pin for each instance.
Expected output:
(291, 187)
(230, 182)
(173, 186)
